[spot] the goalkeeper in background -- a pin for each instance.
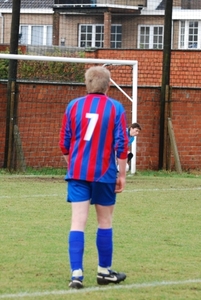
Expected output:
(93, 131)
(132, 132)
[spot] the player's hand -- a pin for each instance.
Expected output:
(66, 157)
(120, 183)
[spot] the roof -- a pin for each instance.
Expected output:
(28, 3)
(185, 4)
(161, 5)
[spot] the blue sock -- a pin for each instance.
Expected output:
(104, 245)
(76, 250)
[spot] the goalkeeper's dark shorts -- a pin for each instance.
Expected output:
(130, 156)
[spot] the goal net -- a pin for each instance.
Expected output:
(33, 103)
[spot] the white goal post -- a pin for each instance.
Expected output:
(105, 62)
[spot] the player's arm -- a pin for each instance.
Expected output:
(66, 157)
(65, 136)
(121, 179)
(121, 149)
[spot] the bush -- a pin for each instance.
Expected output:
(47, 71)
(4, 64)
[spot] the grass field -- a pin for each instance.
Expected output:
(157, 239)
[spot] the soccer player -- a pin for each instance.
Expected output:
(94, 130)
(132, 131)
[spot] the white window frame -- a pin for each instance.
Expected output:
(29, 33)
(93, 33)
(151, 36)
(184, 42)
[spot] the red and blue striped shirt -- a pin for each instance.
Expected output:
(93, 134)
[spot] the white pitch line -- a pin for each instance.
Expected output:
(33, 196)
(163, 190)
(97, 289)
(125, 191)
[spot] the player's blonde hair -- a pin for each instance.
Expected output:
(97, 79)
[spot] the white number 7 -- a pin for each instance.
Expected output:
(91, 126)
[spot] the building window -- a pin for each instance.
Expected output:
(150, 37)
(116, 33)
(189, 34)
(93, 36)
(36, 35)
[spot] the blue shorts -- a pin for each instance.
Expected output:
(97, 192)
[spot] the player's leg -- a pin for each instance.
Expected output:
(77, 195)
(104, 198)
(79, 215)
(104, 236)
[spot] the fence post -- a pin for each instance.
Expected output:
(11, 87)
(165, 76)
(174, 146)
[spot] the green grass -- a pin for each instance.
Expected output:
(157, 225)
(48, 171)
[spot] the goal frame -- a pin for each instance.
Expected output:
(132, 63)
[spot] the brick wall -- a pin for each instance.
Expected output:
(41, 108)
(5, 48)
(185, 65)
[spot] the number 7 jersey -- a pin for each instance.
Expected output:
(93, 134)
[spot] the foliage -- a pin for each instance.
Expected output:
(4, 64)
(52, 71)
(45, 70)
